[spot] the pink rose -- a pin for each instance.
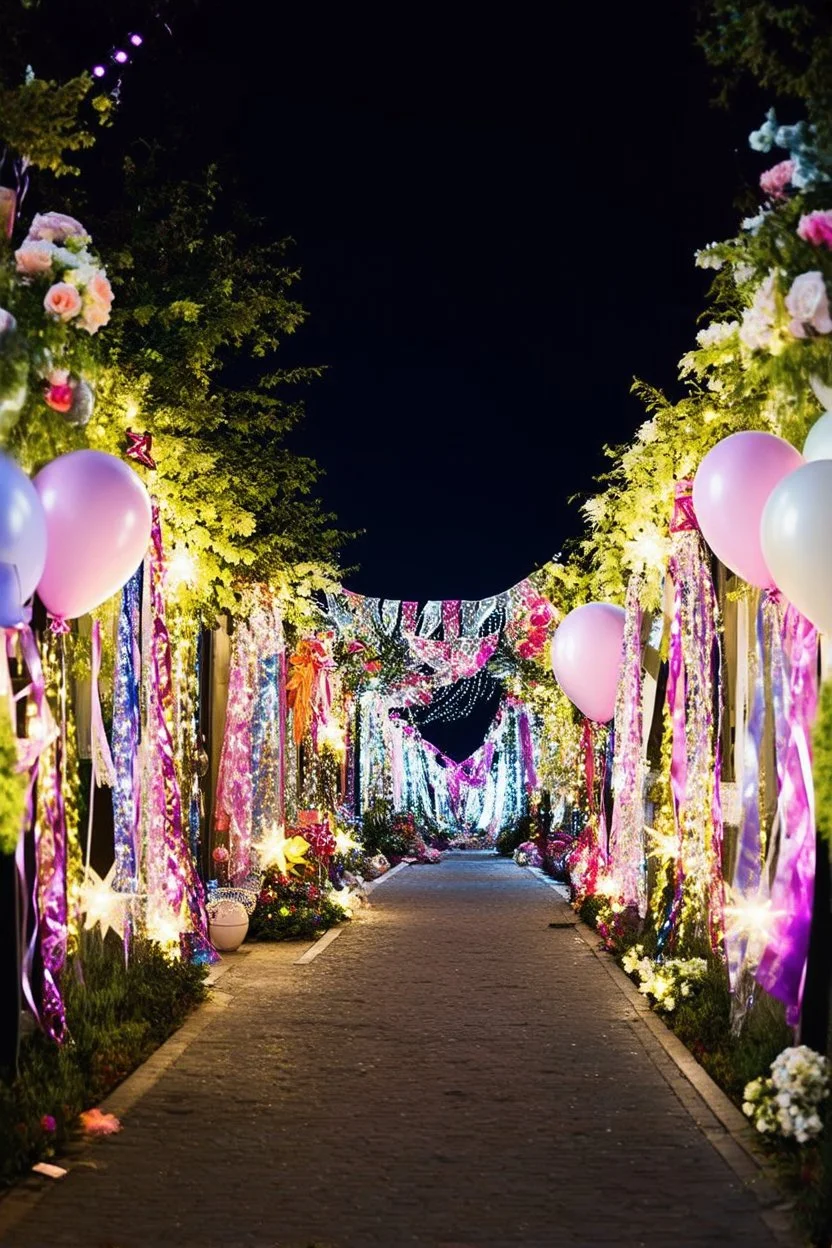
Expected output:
(808, 305)
(775, 180)
(526, 650)
(55, 227)
(99, 289)
(94, 316)
(816, 228)
(63, 301)
(34, 258)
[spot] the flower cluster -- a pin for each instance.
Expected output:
(56, 253)
(788, 1103)
(532, 627)
(668, 982)
(528, 855)
(288, 907)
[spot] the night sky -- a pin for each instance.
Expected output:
(495, 217)
(496, 220)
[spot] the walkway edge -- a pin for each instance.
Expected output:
(21, 1200)
(735, 1143)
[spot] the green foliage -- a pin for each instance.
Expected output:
(44, 122)
(13, 786)
(514, 834)
(117, 1015)
(383, 832)
(822, 770)
(288, 908)
(784, 47)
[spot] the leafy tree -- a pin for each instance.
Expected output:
(785, 48)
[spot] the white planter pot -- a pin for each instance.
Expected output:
(227, 925)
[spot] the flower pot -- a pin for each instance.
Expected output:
(227, 925)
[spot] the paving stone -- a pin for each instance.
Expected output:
(451, 1072)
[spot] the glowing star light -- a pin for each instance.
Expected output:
(345, 843)
(275, 850)
(165, 929)
(102, 906)
(180, 568)
(750, 918)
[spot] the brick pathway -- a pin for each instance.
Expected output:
(452, 1072)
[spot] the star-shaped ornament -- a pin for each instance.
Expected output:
(138, 448)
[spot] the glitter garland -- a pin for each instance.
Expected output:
(126, 734)
(627, 849)
(176, 912)
(692, 691)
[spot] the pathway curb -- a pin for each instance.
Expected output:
(733, 1139)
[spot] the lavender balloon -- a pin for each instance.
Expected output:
(22, 540)
(98, 519)
(730, 490)
(587, 657)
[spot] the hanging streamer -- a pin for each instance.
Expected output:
(782, 969)
(126, 739)
(692, 690)
(627, 850)
(233, 804)
(176, 896)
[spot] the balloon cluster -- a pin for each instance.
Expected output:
(75, 534)
(765, 510)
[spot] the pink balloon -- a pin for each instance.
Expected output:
(587, 656)
(730, 490)
(98, 520)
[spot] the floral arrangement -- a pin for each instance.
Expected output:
(529, 630)
(788, 1103)
(287, 907)
(667, 982)
(54, 297)
(528, 855)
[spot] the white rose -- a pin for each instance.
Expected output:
(808, 304)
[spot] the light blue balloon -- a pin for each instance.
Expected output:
(22, 529)
(12, 611)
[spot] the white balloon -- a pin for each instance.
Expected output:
(796, 537)
(818, 443)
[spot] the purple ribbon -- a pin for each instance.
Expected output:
(782, 969)
(527, 748)
(43, 903)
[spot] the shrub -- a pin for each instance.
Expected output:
(117, 1014)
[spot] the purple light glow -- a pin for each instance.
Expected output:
(98, 71)
(136, 41)
(121, 58)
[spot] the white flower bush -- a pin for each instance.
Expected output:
(668, 982)
(788, 1103)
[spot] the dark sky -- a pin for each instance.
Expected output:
(496, 218)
